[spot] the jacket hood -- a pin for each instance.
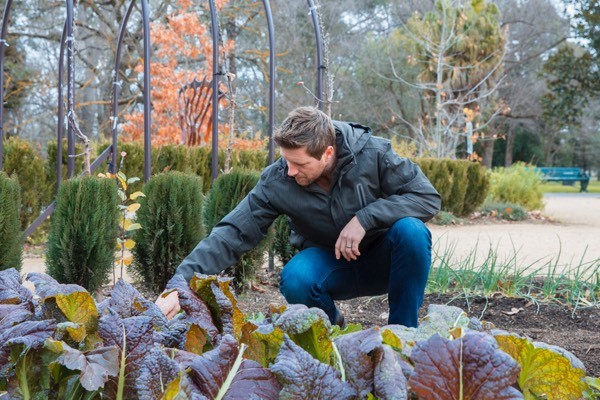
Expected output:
(350, 139)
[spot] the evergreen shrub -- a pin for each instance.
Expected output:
(171, 219)
(10, 227)
(224, 195)
(517, 184)
(281, 245)
(478, 186)
(83, 232)
(462, 184)
(22, 159)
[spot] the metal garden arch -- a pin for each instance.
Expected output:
(66, 45)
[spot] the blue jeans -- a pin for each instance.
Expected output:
(398, 265)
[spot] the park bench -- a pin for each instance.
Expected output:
(567, 176)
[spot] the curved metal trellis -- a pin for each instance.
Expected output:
(5, 16)
(66, 46)
(319, 46)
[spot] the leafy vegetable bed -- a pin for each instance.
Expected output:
(61, 344)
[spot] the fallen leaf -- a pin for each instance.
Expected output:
(513, 311)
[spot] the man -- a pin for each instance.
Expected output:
(357, 213)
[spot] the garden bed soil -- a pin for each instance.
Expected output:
(576, 330)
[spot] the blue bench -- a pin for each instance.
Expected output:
(567, 176)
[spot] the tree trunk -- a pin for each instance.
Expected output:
(510, 141)
(488, 153)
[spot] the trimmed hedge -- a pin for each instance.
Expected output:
(83, 233)
(462, 184)
(11, 250)
(23, 160)
(193, 160)
(171, 219)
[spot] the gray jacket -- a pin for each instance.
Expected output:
(370, 181)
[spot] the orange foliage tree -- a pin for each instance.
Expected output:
(182, 55)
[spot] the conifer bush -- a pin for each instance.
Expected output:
(281, 245)
(171, 219)
(83, 232)
(10, 227)
(224, 195)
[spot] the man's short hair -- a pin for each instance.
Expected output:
(306, 127)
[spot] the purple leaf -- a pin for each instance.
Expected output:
(195, 308)
(210, 370)
(13, 314)
(304, 377)
(156, 372)
(252, 381)
(182, 357)
(139, 341)
(46, 286)
(390, 382)
(216, 293)
(32, 334)
(11, 289)
(472, 364)
(96, 366)
(371, 366)
(126, 301)
(357, 364)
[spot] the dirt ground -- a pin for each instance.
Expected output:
(571, 235)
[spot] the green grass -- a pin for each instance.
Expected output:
(577, 284)
(558, 187)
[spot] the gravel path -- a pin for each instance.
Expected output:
(573, 240)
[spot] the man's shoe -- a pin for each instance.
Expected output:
(340, 320)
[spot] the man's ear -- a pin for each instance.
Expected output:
(329, 151)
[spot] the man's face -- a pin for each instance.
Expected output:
(304, 168)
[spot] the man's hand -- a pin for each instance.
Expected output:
(349, 239)
(169, 304)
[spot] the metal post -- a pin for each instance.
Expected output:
(70, 73)
(112, 167)
(60, 128)
(147, 139)
(5, 16)
(271, 78)
(214, 165)
(315, 20)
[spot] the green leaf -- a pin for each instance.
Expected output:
(133, 179)
(543, 371)
(308, 328)
(263, 342)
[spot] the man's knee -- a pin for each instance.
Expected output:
(410, 231)
(298, 276)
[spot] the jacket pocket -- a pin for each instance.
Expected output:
(360, 193)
